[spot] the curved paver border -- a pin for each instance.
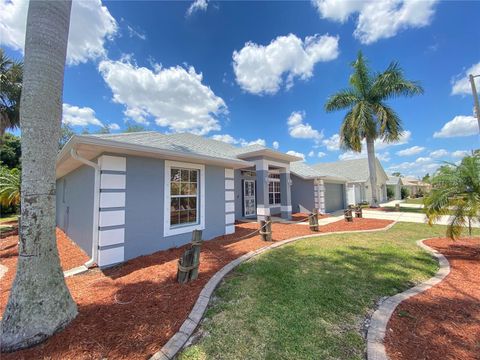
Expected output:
(378, 324)
(177, 341)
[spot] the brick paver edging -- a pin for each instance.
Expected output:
(177, 341)
(378, 324)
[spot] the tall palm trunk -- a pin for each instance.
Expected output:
(40, 303)
(372, 169)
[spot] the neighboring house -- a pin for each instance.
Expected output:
(120, 196)
(356, 173)
(415, 187)
(395, 183)
(315, 189)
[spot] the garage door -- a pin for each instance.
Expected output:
(334, 197)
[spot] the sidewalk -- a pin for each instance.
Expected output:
(407, 217)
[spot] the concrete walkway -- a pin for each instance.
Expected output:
(407, 217)
(402, 203)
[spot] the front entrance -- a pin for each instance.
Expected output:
(249, 205)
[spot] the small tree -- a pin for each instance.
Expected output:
(456, 188)
(390, 193)
(404, 193)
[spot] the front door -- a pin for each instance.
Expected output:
(249, 206)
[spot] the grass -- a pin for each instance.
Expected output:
(308, 299)
(414, 201)
(405, 209)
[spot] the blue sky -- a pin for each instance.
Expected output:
(260, 72)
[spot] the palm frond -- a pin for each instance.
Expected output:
(344, 99)
(390, 125)
(392, 83)
(361, 79)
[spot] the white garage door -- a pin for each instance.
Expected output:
(334, 197)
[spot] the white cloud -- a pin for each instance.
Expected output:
(439, 153)
(197, 5)
(417, 168)
(175, 97)
(229, 139)
(300, 130)
(460, 126)
(136, 33)
(352, 155)
(460, 153)
(263, 69)
(461, 83)
(113, 126)
(79, 116)
(321, 154)
(296, 153)
(311, 153)
(91, 24)
(378, 19)
(276, 145)
(332, 143)
(411, 151)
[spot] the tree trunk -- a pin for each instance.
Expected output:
(40, 303)
(372, 169)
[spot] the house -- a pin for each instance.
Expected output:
(415, 187)
(395, 184)
(120, 196)
(356, 173)
(315, 189)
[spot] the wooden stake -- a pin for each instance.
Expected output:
(196, 242)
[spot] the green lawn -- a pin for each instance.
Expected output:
(308, 299)
(405, 209)
(414, 201)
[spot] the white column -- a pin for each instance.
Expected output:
(229, 201)
(111, 222)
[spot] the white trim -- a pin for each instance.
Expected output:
(111, 200)
(229, 218)
(229, 207)
(286, 208)
(111, 256)
(113, 181)
(229, 184)
(112, 218)
(176, 230)
(229, 195)
(263, 211)
(114, 163)
(229, 229)
(229, 173)
(111, 237)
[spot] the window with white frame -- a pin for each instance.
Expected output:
(184, 198)
(274, 189)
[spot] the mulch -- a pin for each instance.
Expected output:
(444, 321)
(303, 216)
(130, 311)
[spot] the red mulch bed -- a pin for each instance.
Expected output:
(130, 311)
(302, 216)
(444, 321)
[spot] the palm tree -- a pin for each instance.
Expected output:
(368, 116)
(40, 303)
(11, 73)
(456, 189)
(9, 186)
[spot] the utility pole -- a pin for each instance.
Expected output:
(475, 97)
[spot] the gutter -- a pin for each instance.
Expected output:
(96, 205)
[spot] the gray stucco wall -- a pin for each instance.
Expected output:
(144, 207)
(74, 203)
(303, 195)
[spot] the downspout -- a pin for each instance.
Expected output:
(96, 205)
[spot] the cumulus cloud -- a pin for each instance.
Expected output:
(91, 25)
(263, 69)
(461, 83)
(460, 153)
(296, 153)
(174, 97)
(79, 116)
(352, 155)
(113, 126)
(436, 154)
(410, 151)
(229, 139)
(378, 19)
(197, 5)
(460, 125)
(416, 168)
(297, 128)
(333, 142)
(276, 145)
